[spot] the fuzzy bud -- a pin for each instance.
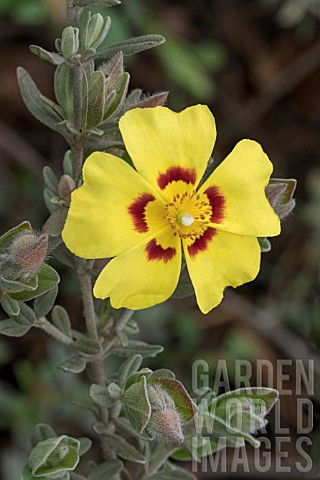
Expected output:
(166, 425)
(29, 251)
(65, 188)
(165, 422)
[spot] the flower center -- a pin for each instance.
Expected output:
(185, 219)
(188, 213)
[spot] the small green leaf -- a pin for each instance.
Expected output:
(48, 278)
(179, 395)
(86, 347)
(114, 390)
(265, 245)
(137, 405)
(75, 364)
(163, 373)
(121, 93)
(26, 474)
(44, 303)
(26, 316)
(9, 305)
(12, 329)
(8, 237)
(105, 470)
(126, 451)
(129, 47)
(85, 445)
(41, 107)
(58, 454)
(60, 318)
(101, 396)
(95, 99)
(52, 57)
(69, 41)
(55, 223)
(177, 474)
(137, 347)
(41, 432)
(125, 429)
(129, 367)
(13, 286)
(63, 88)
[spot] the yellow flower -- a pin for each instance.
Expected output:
(142, 217)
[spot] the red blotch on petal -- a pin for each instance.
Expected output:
(217, 204)
(137, 211)
(201, 243)
(156, 252)
(187, 175)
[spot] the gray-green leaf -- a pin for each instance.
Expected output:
(37, 104)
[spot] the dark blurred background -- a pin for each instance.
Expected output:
(257, 65)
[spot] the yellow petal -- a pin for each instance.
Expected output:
(167, 146)
(143, 276)
(223, 259)
(106, 215)
(241, 180)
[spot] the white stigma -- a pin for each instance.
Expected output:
(185, 218)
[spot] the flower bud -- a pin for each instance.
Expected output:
(29, 251)
(166, 425)
(69, 42)
(65, 188)
(165, 422)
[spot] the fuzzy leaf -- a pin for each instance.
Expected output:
(44, 303)
(63, 88)
(179, 395)
(37, 104)
(85, 445)
(95, 99)
(26, 316)
(105, 470)
(129, 47)
(163, 373)
(50, 179)
(52, 57)
(101, 396)
(8, 237)
(54, 455)
(75, 364)
(41, 432)
(265, 245)
(60, 318)
(26, 474)
(48, 278)
(14, 286)
(137, 347)
(126, 451)
(9, 305)
(125, 429)
(86, 346)
(137, 405)
(128, 368)
(11, 328)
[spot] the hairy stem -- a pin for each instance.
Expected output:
(119, 324)
(84, 274)
(51, 330)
